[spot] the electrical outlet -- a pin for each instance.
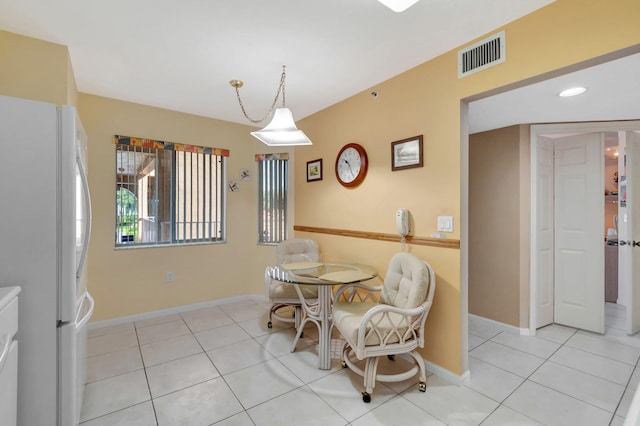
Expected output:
(169, 277)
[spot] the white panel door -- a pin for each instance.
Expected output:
(632, 219)
(579, 243)
(544, 232)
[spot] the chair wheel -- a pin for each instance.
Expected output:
(391, 357)
(301, 334)
(343, 363)
(422, 387)
(269, 324)
(366, 397)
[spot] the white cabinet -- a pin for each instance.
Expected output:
(8, 355)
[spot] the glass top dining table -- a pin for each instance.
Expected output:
(319, 273)
(325, 275)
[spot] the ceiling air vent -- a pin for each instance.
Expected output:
(481, 55)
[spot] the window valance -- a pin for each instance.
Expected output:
(169, 146)
(271, 157)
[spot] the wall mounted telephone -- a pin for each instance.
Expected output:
(403, 222)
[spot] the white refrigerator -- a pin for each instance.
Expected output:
(45, 222)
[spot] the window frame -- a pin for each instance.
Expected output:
(207, 181)
(281, 195)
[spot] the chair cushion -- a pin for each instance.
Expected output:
(347, 317)
(297, 250)
(280, 290)
(406, 283)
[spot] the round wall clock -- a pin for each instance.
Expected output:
(351, 165)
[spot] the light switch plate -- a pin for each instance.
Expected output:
(445, 223)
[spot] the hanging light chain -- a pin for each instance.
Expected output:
(237, 84)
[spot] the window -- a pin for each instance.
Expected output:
(273, 187)
(168, 193)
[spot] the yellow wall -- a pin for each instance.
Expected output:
(72, 89)
(35, 69)
(427, 100)
(132, 281)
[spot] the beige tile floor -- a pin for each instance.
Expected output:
(223, 366)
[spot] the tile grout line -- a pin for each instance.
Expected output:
(501, 403)
(253, 338)
(222, 376)
(146, 376)
(305, 384)
(528, 378)
(625, 389)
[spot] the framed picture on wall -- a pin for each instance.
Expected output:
(406, 153)
(314, 170)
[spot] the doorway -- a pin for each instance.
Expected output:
(547, 296)
(536, 103)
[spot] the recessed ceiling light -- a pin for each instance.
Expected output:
(572, 92)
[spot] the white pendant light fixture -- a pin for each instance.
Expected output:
(398, 5)
(282, 130)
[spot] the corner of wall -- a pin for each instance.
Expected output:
(72, 88)
(33, 69)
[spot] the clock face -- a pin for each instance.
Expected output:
(351, 165)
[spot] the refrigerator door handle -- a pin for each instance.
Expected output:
(87, 207)
(81, 322)
(5, 350)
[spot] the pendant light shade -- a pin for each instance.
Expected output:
(282, 130)
(398, 5)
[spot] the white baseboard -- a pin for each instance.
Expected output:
(513, 328)
(525, 332)
(174, 310)
(446, 375)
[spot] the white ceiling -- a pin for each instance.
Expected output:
(613, 93)
(180, 55)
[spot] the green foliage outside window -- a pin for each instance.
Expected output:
(127, 208)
